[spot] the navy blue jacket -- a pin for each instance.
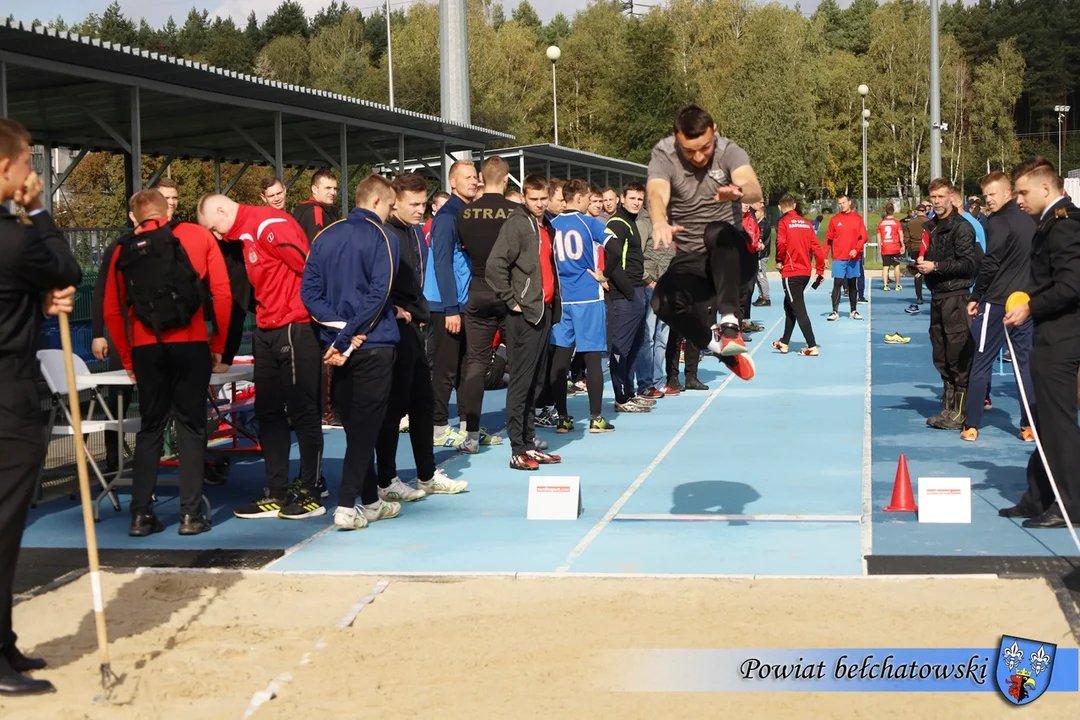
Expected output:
(347, 281)
(449, 268)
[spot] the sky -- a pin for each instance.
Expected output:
(156, 13)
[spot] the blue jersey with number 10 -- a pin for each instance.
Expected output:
(579, 240)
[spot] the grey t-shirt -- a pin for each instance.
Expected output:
(693, 189)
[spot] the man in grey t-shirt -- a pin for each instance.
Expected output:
(697, 182)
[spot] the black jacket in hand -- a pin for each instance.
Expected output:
(952, 250)
(1006, 266)
(407, 290)
(1055, 275)
(34, 258)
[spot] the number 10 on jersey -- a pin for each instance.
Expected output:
(569, 245)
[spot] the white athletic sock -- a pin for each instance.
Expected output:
(714, 346)
(462, 426)
(441, 430)
(729, 319)
(473, 436)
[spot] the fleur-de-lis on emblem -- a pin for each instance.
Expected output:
(1013, 656)
(1039, 661)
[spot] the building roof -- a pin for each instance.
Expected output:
(73, 90)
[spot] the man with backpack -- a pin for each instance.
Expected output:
(288, 359)
(156, 286)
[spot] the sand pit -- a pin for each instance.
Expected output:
(200, 645)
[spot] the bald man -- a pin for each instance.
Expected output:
(446, 287)
(288, 359)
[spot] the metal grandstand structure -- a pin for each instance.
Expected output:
(78, 92)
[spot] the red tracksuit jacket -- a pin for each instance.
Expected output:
(275, 251)
(796, 241)
(846, 233)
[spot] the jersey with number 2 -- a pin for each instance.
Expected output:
(890, 233)
(579, 240)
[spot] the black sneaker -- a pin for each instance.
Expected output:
(762, 302)
(193, 524)
(266, 507)
(301, 505)
(320, 488)
(692, 383)
(143, 524)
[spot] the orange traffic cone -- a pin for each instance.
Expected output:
(902, 498)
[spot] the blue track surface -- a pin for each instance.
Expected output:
(907, 390)
(788, 445)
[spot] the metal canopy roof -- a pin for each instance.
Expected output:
(75, 91)
(545, 160)
(560, 157)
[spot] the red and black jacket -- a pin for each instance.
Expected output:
(313, 216)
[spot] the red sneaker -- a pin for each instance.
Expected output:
(523, 462)
(732, 346)
(668, 391)
(653, 394)
(741, 366)
(542, 458)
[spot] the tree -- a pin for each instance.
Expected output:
(339, 58)
(853, 29)
(827, 20)
(996, 87)
(498, 16)
(227, 47)
(555, 31)
(285, 59)
(116, 28)
(253, 33)
(192, 38)
(525, 15)
(329, 16)
(288, 20)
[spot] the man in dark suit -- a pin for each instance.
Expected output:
(37, 273)
(1054, 304)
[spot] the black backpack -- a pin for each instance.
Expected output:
(162, 286)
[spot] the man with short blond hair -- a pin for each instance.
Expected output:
(347, 288)
(1005, 269)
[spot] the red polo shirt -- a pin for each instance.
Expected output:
(547, 270)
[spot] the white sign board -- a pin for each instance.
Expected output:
(944, 500)
(554, 498)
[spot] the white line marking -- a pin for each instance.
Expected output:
(350, 616)
(752, 518)
(614, 509)
(264, 696)
(518, 575)
(866, 532)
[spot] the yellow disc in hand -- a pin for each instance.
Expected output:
(1016, 299)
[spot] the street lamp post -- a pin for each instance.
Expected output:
(389, 54)
(865, 118)
(1062, 111)
(553, 54)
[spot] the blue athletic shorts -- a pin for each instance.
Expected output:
(583, 325)
(846, 269)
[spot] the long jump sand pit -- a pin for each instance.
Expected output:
(202, 645)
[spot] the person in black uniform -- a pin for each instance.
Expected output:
(37, 272)
(1054, 289)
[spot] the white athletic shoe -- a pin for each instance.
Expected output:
(398, 491)
(403, 426)
(833, 316)
(382, 510)
(440, 484)
(452, 438)
(349, 519)
(855, 315)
